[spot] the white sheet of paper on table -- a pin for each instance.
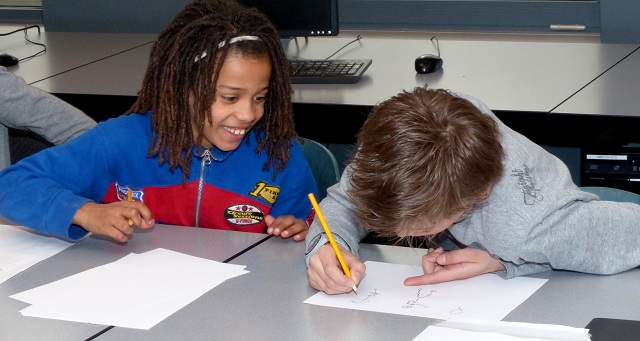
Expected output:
(486, 296)
(137, 291)
(481, 330)
(21, 249)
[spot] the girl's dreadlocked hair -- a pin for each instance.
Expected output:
(186, 60)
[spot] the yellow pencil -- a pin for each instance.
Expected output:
(331, 240)
(129, 198)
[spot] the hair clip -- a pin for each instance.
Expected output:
(231, 42)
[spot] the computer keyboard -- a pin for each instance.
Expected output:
(327, 71)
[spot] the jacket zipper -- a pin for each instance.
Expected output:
(206, 160)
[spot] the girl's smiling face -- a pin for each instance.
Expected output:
(241, 92)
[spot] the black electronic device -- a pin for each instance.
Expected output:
(610, 329)
(8, 60)
(428, 63)
(300, 18)
(311, 18)
(327, 71)
(612, 160)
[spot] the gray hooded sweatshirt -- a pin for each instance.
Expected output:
(25, 107)
(535, 218)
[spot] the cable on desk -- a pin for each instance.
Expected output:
(436, 43)
(44, 47)
(359, 37)
(306, 40)
(99, 333)
(247, 249)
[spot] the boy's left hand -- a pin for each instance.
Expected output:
(440, 266)
(286, 226)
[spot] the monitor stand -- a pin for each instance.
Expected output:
(285, 43)
(292, 40)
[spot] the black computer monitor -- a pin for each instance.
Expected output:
(299, 18)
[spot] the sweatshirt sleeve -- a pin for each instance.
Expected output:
(26, 107)
(513, 270)
(44, 191)
(341, 218)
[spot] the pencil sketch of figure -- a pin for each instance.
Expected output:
(456, 311)
(366, 299)
(414, 302)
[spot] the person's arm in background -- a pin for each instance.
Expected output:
(25, 107)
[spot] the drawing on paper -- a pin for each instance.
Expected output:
(457, 311)
(382, 290)
(416, 302)
(366, 299)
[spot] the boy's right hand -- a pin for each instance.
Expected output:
(112, 220)
(325, 272)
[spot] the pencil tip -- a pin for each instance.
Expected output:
(355, 291)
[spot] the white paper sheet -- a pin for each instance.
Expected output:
(137, 291)
(486, 296)
(21, 248)
(481, 330)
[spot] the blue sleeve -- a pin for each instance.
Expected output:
(44, 191)
(297, 182)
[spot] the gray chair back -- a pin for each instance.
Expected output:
(323, 164)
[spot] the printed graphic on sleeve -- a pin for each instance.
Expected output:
(528, 188)
(122, 192)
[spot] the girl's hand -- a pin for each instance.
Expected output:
(325, 272)
(287, 226)
(116, 220)
(440, 266)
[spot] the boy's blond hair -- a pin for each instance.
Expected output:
(423, 156)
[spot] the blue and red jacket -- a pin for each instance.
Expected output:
(225, 190)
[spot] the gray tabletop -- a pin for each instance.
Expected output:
(66, 50)
(616, 93)
(119, 75)
(92, 252)
(267, 303)
(508, 72)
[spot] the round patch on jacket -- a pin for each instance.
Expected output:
(243, 214)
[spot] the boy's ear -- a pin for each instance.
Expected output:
(486, 193)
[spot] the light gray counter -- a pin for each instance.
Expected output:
(66, 50)
(615, 93)
(267, 303)
(509, 73)
(92, 252)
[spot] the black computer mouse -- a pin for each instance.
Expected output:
(8, 60)
(428, 63)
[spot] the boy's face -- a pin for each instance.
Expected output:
(424, 228)
(241, 91)
(429, 229)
